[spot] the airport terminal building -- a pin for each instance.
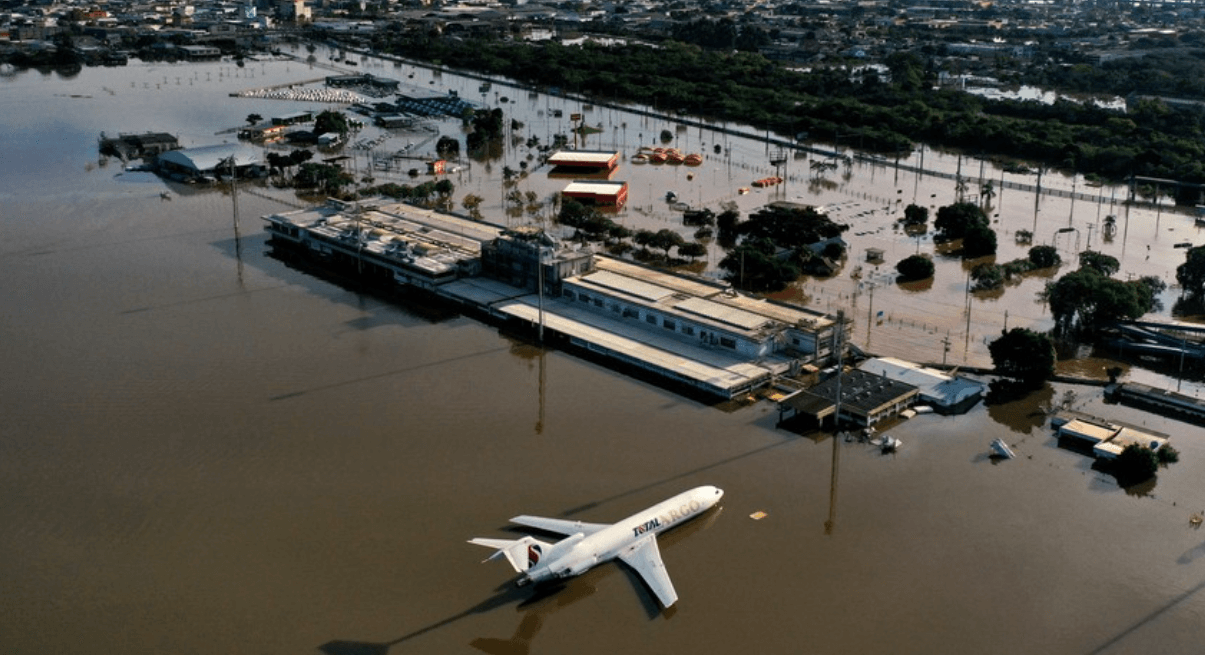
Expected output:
(696, 333)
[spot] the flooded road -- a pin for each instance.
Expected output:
(206, 450)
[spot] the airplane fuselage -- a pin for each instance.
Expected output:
(578, 553)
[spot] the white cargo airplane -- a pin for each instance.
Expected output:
(633, 540)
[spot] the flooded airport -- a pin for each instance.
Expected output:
(209, 450)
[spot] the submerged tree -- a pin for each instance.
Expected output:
(916, 216)
(915, 267)
(1135, 464)
(753, 265)
(966, 221)
(1024, 355)
(331, 121)
(1104, 264)
(1191, 274)
(1044, 256)
(1084, 301)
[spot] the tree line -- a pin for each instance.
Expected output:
(886, 113)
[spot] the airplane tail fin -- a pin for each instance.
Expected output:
(521, 553)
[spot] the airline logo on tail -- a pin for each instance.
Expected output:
(533, 554)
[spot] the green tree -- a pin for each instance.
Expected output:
(666, 239)
(574, 213)
(979, 240)
(617, 232)
(279, 162)
(328, 177)
(1024, 355)
(299, 157)
(692, 250)
(727, 223)
(987, 192)
(595, 227)
(1044, 256)
(447, 146)
(790, 227)
(1104, 264)
(1135, 464)
(916, 216)
(423, 192)
(472, 202)
(1191, 274)
(987, 276)
(253, 119)
(953, 221)
(331, 121)
(907, 70)
(753, 265)
(915, 267)
(1084, 301)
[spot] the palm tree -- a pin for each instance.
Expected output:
(960, 187)
(987, 192)
(1110, 227)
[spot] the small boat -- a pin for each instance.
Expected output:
(670, 196)
(674, 158)
(693, 159)
(640, 158)
(767, 181)
(657, 158)
(1001, 449)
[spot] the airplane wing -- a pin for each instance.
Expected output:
(645, 558)
(559, 526)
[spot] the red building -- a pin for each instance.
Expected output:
(583, 162)
(601, 193)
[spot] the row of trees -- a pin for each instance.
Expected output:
(885, 113)
(592, 225)
(433, 193)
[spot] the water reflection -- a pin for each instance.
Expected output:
(830, 524)
(536, 605)
(510, 594)
(1142, 489)
(1025, 414)
(1105, 647)
(916, 286)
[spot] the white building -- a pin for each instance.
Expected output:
(945, 393)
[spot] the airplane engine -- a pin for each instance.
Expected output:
(581, 566)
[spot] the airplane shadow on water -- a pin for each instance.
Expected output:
(535, 605)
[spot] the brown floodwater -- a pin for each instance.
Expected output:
(207, 450)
